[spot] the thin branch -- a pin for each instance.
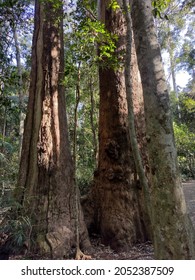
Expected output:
(90, 14)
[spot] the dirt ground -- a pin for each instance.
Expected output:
(189, 192)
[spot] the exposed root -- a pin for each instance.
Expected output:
(81, 256)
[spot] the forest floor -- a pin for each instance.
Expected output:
(142, 251)
(139, 251)
(98, 251)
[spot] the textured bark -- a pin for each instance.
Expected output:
(173, 232)
(117, 216)
(46, 175)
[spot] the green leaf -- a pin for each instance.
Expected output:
(114, 5)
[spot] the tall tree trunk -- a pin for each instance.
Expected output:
(46, 183)
(172, 67)
(173, 232)
(20, 92)
(118, 214)
(2, 151)
(135, 115)
(77, 100)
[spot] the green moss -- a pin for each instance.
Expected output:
(42, 244)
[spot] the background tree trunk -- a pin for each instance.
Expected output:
(46, 175)
(92, 120)
(173, 232)
(20, 91)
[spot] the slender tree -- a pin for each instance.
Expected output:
(46, 185)
(172, 230)
(135, 107)
(20, 88)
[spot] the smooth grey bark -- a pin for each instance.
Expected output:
(172, 230)
(172, 67)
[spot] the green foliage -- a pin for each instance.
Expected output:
(56, 4)
(93, 33)
(187, 110)
(17, 227)
(159, 6)
(174, 103)
(15, 15)
(8, 167)
(9, 128)
(114, 5)
(185, 142)
(6, 146)
(189, 104)
(81, 74)
(85, 159)
(9, 104)
(183, 110)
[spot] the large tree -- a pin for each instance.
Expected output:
(116, 194)
(172, 230)
(46, 185)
